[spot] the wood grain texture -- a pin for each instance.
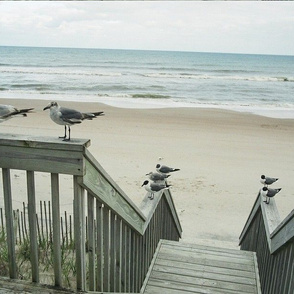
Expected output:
(44, 154)
(186, 268)
(96, 183)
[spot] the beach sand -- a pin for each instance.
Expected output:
(221, 155)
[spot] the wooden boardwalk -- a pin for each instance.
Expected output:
(189, 268)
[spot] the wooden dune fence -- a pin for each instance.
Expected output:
(44, 225)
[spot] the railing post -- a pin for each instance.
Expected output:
(91, 242)
(99, 249)
(33, 226)
(9, 222)
(106, 251)
(79, 232)
(56, 229)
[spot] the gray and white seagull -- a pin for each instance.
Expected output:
(157, 177)
(9, 111)
(268, 193)
(154, 187)
(165, 169)
(68, 117)
(267, 180)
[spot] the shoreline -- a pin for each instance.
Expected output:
(143, 103)
(221, 155)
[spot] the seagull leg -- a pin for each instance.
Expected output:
(63, 137)
(67, 139)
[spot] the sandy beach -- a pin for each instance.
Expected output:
(221, 155)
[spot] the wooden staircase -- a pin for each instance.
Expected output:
(188, 268)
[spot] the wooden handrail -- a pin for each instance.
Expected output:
(121, 237)
(273, 242)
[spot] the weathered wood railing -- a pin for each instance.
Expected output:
(121, 238)
(273, 242)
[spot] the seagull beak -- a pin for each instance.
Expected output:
(47, 107)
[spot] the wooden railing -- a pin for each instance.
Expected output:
(121, 238)
(273, 242)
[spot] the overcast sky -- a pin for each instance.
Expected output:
(201, 26)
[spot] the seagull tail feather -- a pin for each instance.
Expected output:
(91, 115)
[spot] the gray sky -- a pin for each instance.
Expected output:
(201, 26)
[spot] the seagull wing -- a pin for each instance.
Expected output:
(156, 187)
(165, 169)
(70, 115)
(7, 110)
(269, 180)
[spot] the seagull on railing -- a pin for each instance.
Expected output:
(267, 180)
(268, 193)
(154, 187)
(67, 117)
(9, 111)
(165, 169)
(156, 177)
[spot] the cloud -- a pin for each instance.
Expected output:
(253, 27)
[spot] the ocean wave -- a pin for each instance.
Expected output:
(38, 87)
(216, 77)
(150, 96)
(57, 71)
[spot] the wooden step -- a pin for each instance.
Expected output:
(189, 268)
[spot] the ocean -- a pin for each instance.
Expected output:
(261, 84)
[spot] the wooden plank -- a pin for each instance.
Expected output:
(98, 185)
(9, 223)
(283, 233)
(79, 232)
(173, 211)
(119, 255)
(202, 273)
(258, 287)
(56, 229)
(212, 250)
(208, 267)
(247, 259)
(172, 287)
(43, 142)
(43, 160)
(204, 282)
(251, 217)
(173, 255)
(91, 242)
(124, 258)
(143, 288)
(99, 250)
(271, 218)
(112, 252)
(107, 177)
(106, 250)
(33, 226)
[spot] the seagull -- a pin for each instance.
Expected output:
(269, 193)
(154, 187)
(67, 117)
(9, 111)
(157, 176)
(165, 169)
(267, 180)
